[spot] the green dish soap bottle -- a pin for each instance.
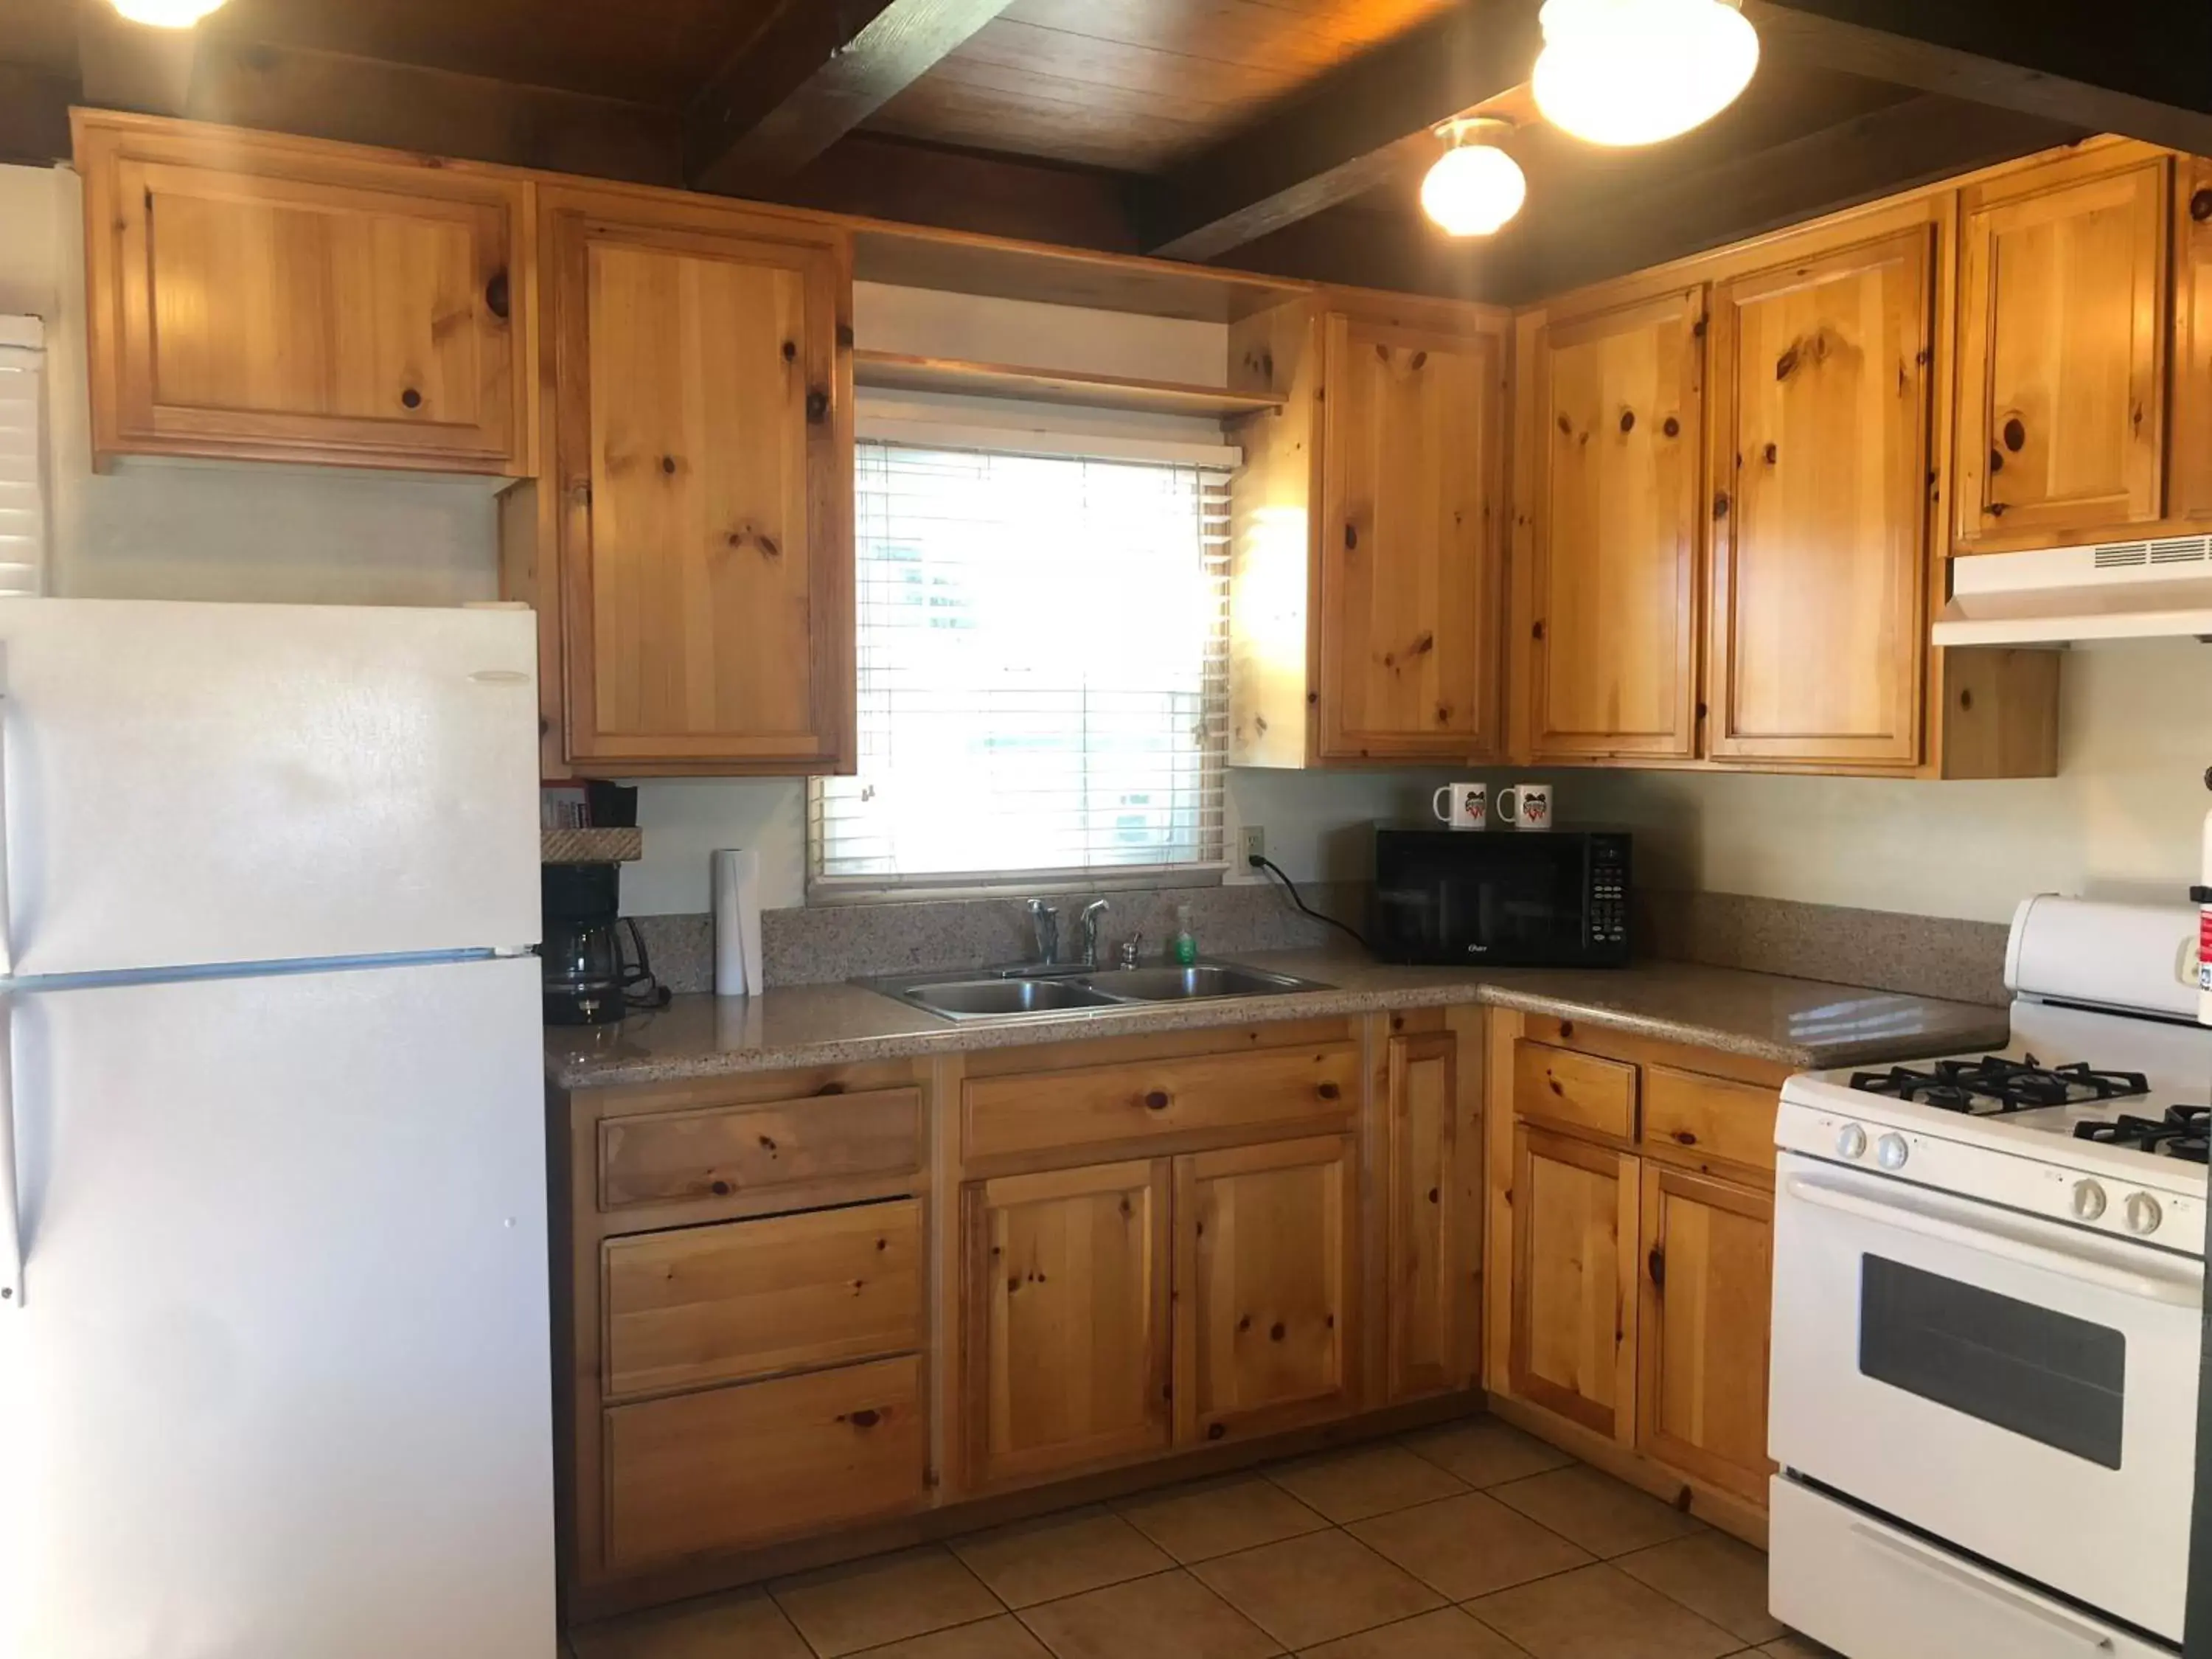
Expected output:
(1185, 945)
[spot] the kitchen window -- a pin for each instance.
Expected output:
(1043, 673)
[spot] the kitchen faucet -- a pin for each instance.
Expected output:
(1091, 912)
(1044, 929)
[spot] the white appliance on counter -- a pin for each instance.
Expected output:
(1988, 1286)
(274, 1369)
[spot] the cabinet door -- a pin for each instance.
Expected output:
(1066, 1319)
(2061, 347)
(704, 456)
(1707, 1293)
(1434, 1291)
(1574, 1280)
(2189, 486)
(1820, 461)
(1413, 504)
(1266, 1275)
(1612, 646)
(295, 301)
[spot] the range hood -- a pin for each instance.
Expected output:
(2109, 591)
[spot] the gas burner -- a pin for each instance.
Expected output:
(1993, 1085)
(2180, 1133)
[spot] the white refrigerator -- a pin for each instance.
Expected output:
(275, 1370)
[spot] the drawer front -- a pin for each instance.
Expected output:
(1575, 1090)
(751, 1298)
(673, 1157)
(1710, 1116)
(1098, 1105)
(737, 1467)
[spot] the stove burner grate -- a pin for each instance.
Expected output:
(2181, 1132)
(1993, 1085)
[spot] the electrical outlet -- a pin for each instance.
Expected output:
(1252, 843)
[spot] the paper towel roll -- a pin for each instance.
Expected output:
(736, 886)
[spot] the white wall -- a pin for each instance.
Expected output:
(2121, 819)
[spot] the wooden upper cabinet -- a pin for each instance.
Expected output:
(1611, 486)
(2188, 479)
(1708, 1276)
(259, 297)
(1266, 1287)
(1819, 420)
(703, 457)
(2062, 321)
(1574, 1280)
(1413, 502)
(1066, 1333)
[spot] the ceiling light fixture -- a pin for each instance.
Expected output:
(1475, 186)
(1637, 71)
(166, 14)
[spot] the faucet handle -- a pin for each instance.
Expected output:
(1044, 928)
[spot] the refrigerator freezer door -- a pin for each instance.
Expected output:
(280, 1381)
(199, 784)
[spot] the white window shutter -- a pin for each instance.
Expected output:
(22, 456)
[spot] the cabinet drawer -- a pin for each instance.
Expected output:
(723, 1152)
(750, 1298)
(735, 1466)
(1575, 1090)
(1095, 1105)
(1712, 1117)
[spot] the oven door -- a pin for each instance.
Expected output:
(2024, 1390)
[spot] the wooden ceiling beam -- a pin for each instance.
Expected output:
(1357, 127)
(1588, 236)
(814, 73)
(873, 177)
(2138, 68)
(126, 65)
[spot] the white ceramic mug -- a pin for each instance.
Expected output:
(1526, 805)
(1467, 807)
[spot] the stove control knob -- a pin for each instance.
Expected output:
(2143, 1213)
(1851, 1141)
(1891, 1152)
(2089, 1200)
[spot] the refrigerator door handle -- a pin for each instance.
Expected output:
(6, 910)
(11, 1203)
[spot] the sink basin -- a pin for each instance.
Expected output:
(1013, 995)
(971, 998)
(1205, 979)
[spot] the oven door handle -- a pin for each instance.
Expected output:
(2174, 1285)
(1927, 1561)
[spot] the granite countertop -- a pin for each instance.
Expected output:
(1794, 1021)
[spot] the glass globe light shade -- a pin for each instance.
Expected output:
(1473, 189)
(1636, 71)
(166, 14)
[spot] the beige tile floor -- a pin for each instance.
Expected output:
(1472, 1541)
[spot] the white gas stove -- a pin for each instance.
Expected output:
(1988, 1295)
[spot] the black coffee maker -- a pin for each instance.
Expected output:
(587, 983)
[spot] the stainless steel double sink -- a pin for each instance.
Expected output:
(1010, 993)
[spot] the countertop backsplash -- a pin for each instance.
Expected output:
(1917, 956)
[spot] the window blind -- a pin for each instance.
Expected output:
(1044, 672)
(23, 502)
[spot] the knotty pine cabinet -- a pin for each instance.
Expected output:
(700, 489)
(1066, 1299)
(257, 297)
(1630, 1202)
(1608, 494)
(2063, 298)
(1432, 1300)
(1368, 526)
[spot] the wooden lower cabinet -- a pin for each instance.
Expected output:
(1708, 1283)
(1266, 1272)
(733, 1467)
(1433, 1247)
(1573, 1279)
(1064, 1304)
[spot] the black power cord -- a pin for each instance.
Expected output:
(1292, 887)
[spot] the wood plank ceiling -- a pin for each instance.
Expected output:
(1287, 136)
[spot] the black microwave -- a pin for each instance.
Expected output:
(1501, 898)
